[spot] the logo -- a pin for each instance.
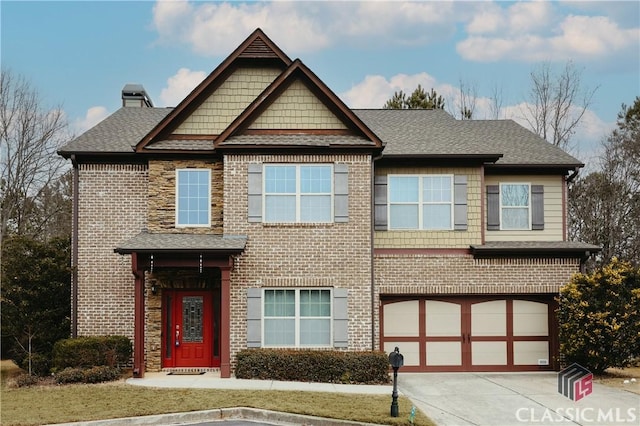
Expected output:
(575, 382)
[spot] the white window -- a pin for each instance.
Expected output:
(297, 318)
(515, 202)
(298, 193)
(193, 197)
(421, 202)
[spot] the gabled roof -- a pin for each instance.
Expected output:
(256, 47)
(297, 71)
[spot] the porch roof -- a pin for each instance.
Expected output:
(146, 242)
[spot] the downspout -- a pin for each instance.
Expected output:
(573, 175)
(74, 247)
(373, 228)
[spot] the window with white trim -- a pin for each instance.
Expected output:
(515, 203)
(297, 318)
(193, 197)
(420, 202)
(295, 193)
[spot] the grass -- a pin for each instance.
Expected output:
(70, 403)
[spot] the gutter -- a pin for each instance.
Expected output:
(74, 247)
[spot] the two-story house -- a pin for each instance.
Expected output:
(263, 212)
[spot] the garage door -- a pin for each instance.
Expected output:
(470, 334)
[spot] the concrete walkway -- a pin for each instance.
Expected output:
(213, 381)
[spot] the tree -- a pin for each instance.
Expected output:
(466, 104)
(419, 99)
(35, 309)
(556, 103)
(604, 206)
(29, 137)
(599, 317)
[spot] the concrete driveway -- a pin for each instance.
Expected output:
(502, 399)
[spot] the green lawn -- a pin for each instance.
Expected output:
(69, 403)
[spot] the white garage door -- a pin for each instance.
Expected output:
(470, 334)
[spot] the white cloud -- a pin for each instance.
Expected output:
(375, 90)
(535, 32)
(93, 116)
(180, 85)
(217, 28)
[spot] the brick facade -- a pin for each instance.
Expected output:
(112, 206)
(302, 255)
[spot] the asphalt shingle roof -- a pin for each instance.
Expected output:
(515, 246)
(146, 241)
(118, 133)
(404, 133)
(435, 132)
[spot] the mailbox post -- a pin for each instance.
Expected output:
(396, 360)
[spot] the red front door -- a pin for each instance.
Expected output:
(189, 329)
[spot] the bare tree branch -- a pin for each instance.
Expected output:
(557, 104)
(29, 138)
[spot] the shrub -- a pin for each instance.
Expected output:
(26, 380)
(97, 374)
(312, 366)
(600, 319)
(85, 352)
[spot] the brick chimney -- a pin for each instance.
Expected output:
(134, 95)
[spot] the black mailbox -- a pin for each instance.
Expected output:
(396, 360)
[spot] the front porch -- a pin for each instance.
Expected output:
(182, 300)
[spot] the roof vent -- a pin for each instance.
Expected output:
(134, 95)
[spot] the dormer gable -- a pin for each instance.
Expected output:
(256, 52)
(297, 109)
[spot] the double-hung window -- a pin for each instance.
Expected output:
(193, 197)
(421, 202)
(297, 318)
(515, 202)
(298, 193)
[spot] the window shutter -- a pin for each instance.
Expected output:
(340, 318)
(493, 207)
(255, 193)
(460, 203)
(380, 203)
(537, 207)
(254, 317)
(341, 193)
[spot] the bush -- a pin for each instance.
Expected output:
(97, 374)
(26, 380)
(599, 317)
(312, 366)
(85, 352)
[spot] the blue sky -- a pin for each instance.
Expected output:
(79, 54)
